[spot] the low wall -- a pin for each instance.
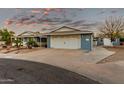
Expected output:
(120, 46)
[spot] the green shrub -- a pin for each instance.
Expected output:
(121, 39)
(32, 43)
(18, 42)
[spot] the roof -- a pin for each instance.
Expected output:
(70, 31)
(29, 34)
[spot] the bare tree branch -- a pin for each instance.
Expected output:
(112, 27)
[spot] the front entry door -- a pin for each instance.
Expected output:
(86, 43)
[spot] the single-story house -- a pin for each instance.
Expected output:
(70, 38)
(41, 40)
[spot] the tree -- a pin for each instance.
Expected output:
(6, 36)
(112, 27)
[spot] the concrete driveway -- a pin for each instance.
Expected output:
(78, 61)
(66, 55)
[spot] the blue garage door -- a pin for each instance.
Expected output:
(86, 42)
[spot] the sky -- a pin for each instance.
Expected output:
(46, 19)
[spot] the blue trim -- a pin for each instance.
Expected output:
(48, 41)
(81, 42)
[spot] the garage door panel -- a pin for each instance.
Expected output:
(66, 42)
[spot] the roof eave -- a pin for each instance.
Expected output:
(69, 33)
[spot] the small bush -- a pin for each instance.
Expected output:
(32, 43)
(121, 39)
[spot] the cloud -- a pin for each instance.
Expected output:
(8, 22)
(35, 11)
(77, 23)
(102, 12)
(41, 18)
(113, 11)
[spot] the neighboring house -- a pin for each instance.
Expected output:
(109, 42)
(70, 38)
(101, 39)
(40, 39)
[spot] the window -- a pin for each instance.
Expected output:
(43, 40)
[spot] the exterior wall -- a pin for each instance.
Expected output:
(48, 41)
(24, 42)
(71, 42)
(66, 41)
(63, 38)
(107, 42)
(99, 41)
(91, 42)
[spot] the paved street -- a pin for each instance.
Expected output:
(28, 72)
